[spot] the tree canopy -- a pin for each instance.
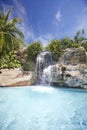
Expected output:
(55, 47)
(33, 50)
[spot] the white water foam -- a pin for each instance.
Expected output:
(43, 89)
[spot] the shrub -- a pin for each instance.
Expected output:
(28, 66)
(84, 45)
(55, 48)
(33, 50)
(9, 61)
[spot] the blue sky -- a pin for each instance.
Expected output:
(44, 20)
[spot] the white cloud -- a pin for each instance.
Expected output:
(19, 8)
(44, 39)
(24, 26)
(58, 16)
(27, 31)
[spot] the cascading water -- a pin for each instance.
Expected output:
(47, 76)
(43, 65)
(50, 75)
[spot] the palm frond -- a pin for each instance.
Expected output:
(15, 21)
(1, 41)
(11, 37)
(17, 32)
(6, 16)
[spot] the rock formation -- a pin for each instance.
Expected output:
(75, 69)
(16, 77)
(70, 71)
(73, 56)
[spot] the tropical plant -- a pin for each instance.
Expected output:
(10, 36)
(66, 43)
(28, 66)
(80, 37)
(33, 50)
(55, 48)
(9, 61)
(84, 44)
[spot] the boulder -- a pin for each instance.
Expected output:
(73, 56)
(72, 76)
(16, 77)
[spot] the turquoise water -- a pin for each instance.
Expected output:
(43, 108)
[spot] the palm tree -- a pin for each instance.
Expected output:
(10, 36)
(80, 37)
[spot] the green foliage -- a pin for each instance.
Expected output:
(28, 66)
(75, 45)
(55, 48)
(10, 36)
(84, 44)
(66, 43)
(33, 50)
(31, 53)
(80, 36)
(9, 61)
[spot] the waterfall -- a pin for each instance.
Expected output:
(47, 75)
(50, 75)
(47, 71)
(43, 63)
